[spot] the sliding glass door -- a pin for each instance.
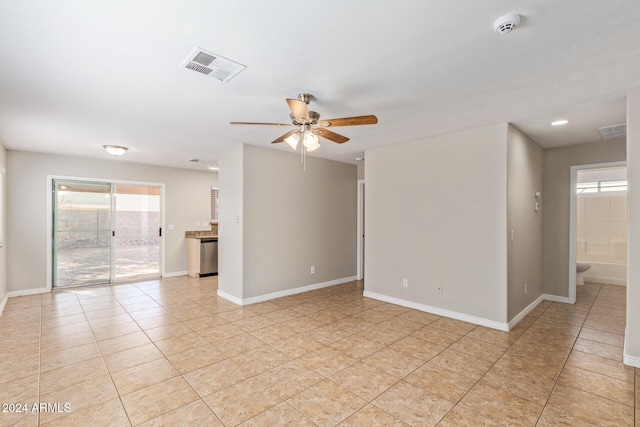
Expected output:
(137, 229)
(105, 232)
(81, 233)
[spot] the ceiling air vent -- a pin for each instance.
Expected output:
(212, 65)
(613, 132)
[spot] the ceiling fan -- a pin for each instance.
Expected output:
(308, 126)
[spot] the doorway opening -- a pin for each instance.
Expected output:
(598, 224)
(360, 257)
(105, 232)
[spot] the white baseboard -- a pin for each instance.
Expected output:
(605, 279)
(631, 360)
(26, 292)
(285, 293)
(229, 297)
(439, 311)
(175, 274)
(3, 304)
(555, 298)
(627, 359)
(526, 311)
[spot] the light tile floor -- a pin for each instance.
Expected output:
(170, 352)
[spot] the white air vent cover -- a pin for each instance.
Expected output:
(613, 132)
(212, 65)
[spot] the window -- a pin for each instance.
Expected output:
(214, 203)
(602, 187)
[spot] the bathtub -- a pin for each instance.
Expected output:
(604, 272)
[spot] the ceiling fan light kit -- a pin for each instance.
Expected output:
(310, 127)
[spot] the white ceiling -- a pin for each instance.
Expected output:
(75, 75)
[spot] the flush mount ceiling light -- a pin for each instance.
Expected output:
(115, 150)
(559, 122)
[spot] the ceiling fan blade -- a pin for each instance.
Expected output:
(331, 136)
(283, 137)
(260, 124)
(299, 109)
(349, 121)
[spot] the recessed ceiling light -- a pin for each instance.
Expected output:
(213, 168)
(358, 159)
(559, 122)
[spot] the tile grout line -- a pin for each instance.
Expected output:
(102, 356)
(333, 322)
(565, 362)
(39, 360)
(555, 384)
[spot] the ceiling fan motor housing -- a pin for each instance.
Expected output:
(305, 97)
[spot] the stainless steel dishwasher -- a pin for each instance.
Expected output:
(208, 257)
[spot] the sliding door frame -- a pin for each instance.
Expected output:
(50, 225)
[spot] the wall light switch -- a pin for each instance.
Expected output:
(172, 227)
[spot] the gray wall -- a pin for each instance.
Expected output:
(436, 214)
(3, 249)
(290, 220)
(525, 170)
(187, 201)
(632, 344)
(230, 231)
(556, 202)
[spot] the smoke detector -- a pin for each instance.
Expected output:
(506, 23)
(212, 65)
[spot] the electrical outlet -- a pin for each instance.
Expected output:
(525, 288)
(405, 283)
(313, 269)
(439, 289)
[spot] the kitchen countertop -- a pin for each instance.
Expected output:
(201, 234)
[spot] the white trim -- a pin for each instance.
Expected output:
(360, 227)
(439, 311)
(285, 293)
(556, 298)
(572, 220)
(49, 245)
(627, 359)
(526, 311)
(26, 292)
(3, 304)
(229, 297)
(631, 360)
(175, 274)
(604, 279)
